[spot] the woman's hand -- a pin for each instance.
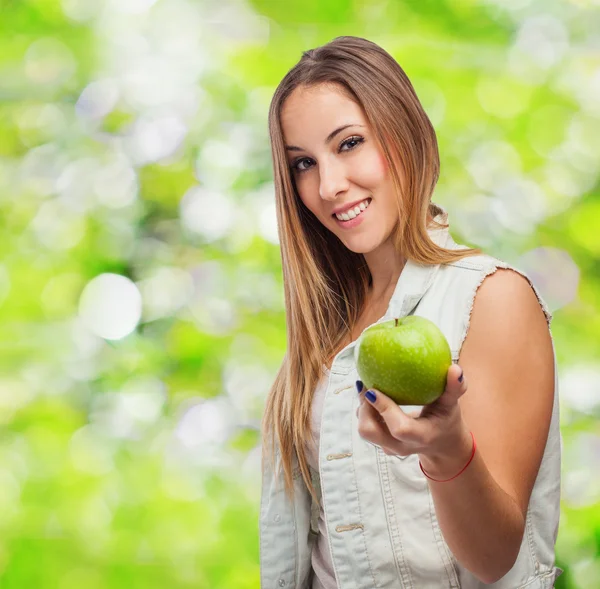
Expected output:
(436, 431)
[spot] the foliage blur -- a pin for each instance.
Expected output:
(141, 305)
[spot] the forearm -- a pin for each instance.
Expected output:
(482, 525)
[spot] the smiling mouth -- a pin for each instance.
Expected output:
(349, 217)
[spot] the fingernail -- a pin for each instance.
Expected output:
(460, 378)
(370, 395)
(359, 385)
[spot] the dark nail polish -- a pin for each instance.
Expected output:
(370, 396)
(460, 378)
(359, 385)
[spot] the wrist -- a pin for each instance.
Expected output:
(447, 462)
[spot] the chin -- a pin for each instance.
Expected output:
(364, 247)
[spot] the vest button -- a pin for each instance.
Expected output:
(277, 519)
(281, 583)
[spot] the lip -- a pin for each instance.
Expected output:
(349, 206)
(353, 222)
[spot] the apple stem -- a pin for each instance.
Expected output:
(396, 322)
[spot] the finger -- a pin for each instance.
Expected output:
(372, 426)
(365, 411)
(375, 416)
(400, 425)
(370, 412)
(373, 429)
(455, 388)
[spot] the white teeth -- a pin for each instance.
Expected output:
(357, 210)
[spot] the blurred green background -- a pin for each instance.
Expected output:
(141, 302)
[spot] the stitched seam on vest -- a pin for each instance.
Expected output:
(439, 542)
(366, 551)
(530, 541)
(541, 576)
(468, 265)
(400, 561)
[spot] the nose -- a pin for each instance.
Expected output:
(333, 180)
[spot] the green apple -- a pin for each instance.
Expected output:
(407, 359)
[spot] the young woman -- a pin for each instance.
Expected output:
(357, 492)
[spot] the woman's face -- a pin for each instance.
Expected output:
(336, 163)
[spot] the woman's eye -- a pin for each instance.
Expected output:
(296, 165)
(355, 140)
(351, 143)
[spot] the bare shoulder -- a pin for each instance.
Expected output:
(507, 287)
(508, 361)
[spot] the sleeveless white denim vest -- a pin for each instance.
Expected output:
(382, 527)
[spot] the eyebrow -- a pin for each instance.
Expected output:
(328, 139)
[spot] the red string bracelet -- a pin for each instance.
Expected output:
(463, 468)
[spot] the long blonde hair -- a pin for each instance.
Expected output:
(325, 284)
